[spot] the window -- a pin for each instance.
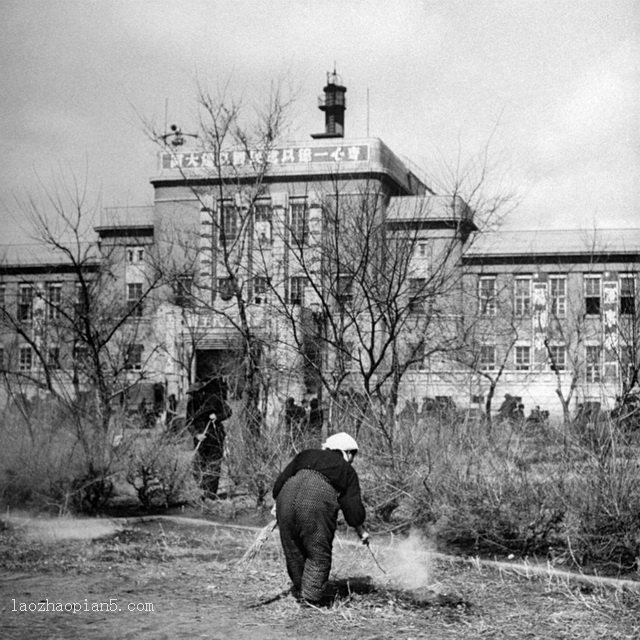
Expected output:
(487, 295)
(25, 361)
(416, 294)
(135, 255)
(592, 295)
(133, 361)
(80, 354)
(263, 212)
(299, 222)
(345, 290)
(296, 290)
(225, 288)
(558, 293)
(593, 363)
(557, 357)
(54, 300)
(487, 357)
(262, 221)
(522, 357)
(424, 250)
(25, 303)
(53, 357)
(182, 291)
(522, 296)
(81, 305)
(418, 357)
(229, 223)
(627, 296)
(134, 299)
(260, 285)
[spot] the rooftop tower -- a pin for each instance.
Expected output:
(333, 103)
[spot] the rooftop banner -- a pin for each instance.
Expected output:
(278, 156)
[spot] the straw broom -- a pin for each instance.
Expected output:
(259, 542)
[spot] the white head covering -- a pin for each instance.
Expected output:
(341, 442)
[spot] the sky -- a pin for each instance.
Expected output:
(550, 89)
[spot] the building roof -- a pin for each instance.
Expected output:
(126, 217)
(522, 244)
(40, 256)
(413, 208)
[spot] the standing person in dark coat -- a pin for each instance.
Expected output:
(207, 410)
(308, 493)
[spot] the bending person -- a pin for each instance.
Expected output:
(308, 493)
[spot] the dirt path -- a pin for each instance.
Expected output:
(186, 581)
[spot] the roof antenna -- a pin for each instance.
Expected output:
(367, 112)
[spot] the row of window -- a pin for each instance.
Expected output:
(295, 293)
(54, 304)
(522, 292)
(595, 363)
(527, 294)
(27, 360)
(231, 221)
(522, 357)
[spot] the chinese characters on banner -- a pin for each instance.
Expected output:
(279, 156)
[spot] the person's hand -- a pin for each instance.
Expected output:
(200, 437)
(365, 538)
(273, 510)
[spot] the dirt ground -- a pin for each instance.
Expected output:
(184, 580)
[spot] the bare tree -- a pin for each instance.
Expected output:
(374, 308)
(80, 336)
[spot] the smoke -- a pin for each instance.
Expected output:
(410, 562)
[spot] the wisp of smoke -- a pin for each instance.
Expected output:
(409, 565)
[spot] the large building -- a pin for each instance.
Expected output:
(335, 259)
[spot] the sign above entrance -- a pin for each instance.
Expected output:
(278, 156)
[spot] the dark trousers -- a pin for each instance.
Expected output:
(209, 462)
(307, 510)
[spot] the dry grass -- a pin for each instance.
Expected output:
(192, 575)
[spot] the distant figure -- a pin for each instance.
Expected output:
(316, 419)
(294, 414)
(410, 411)
(518, 414)
(147, 418)
(511, 409)
(295, 418)
(537, 416)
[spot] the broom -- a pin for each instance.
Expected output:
(258, 543)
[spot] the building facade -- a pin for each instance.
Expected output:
(334, 265)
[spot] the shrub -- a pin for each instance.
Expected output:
(253, 462)
(557, 491)
(54, 458)
(159, 466)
